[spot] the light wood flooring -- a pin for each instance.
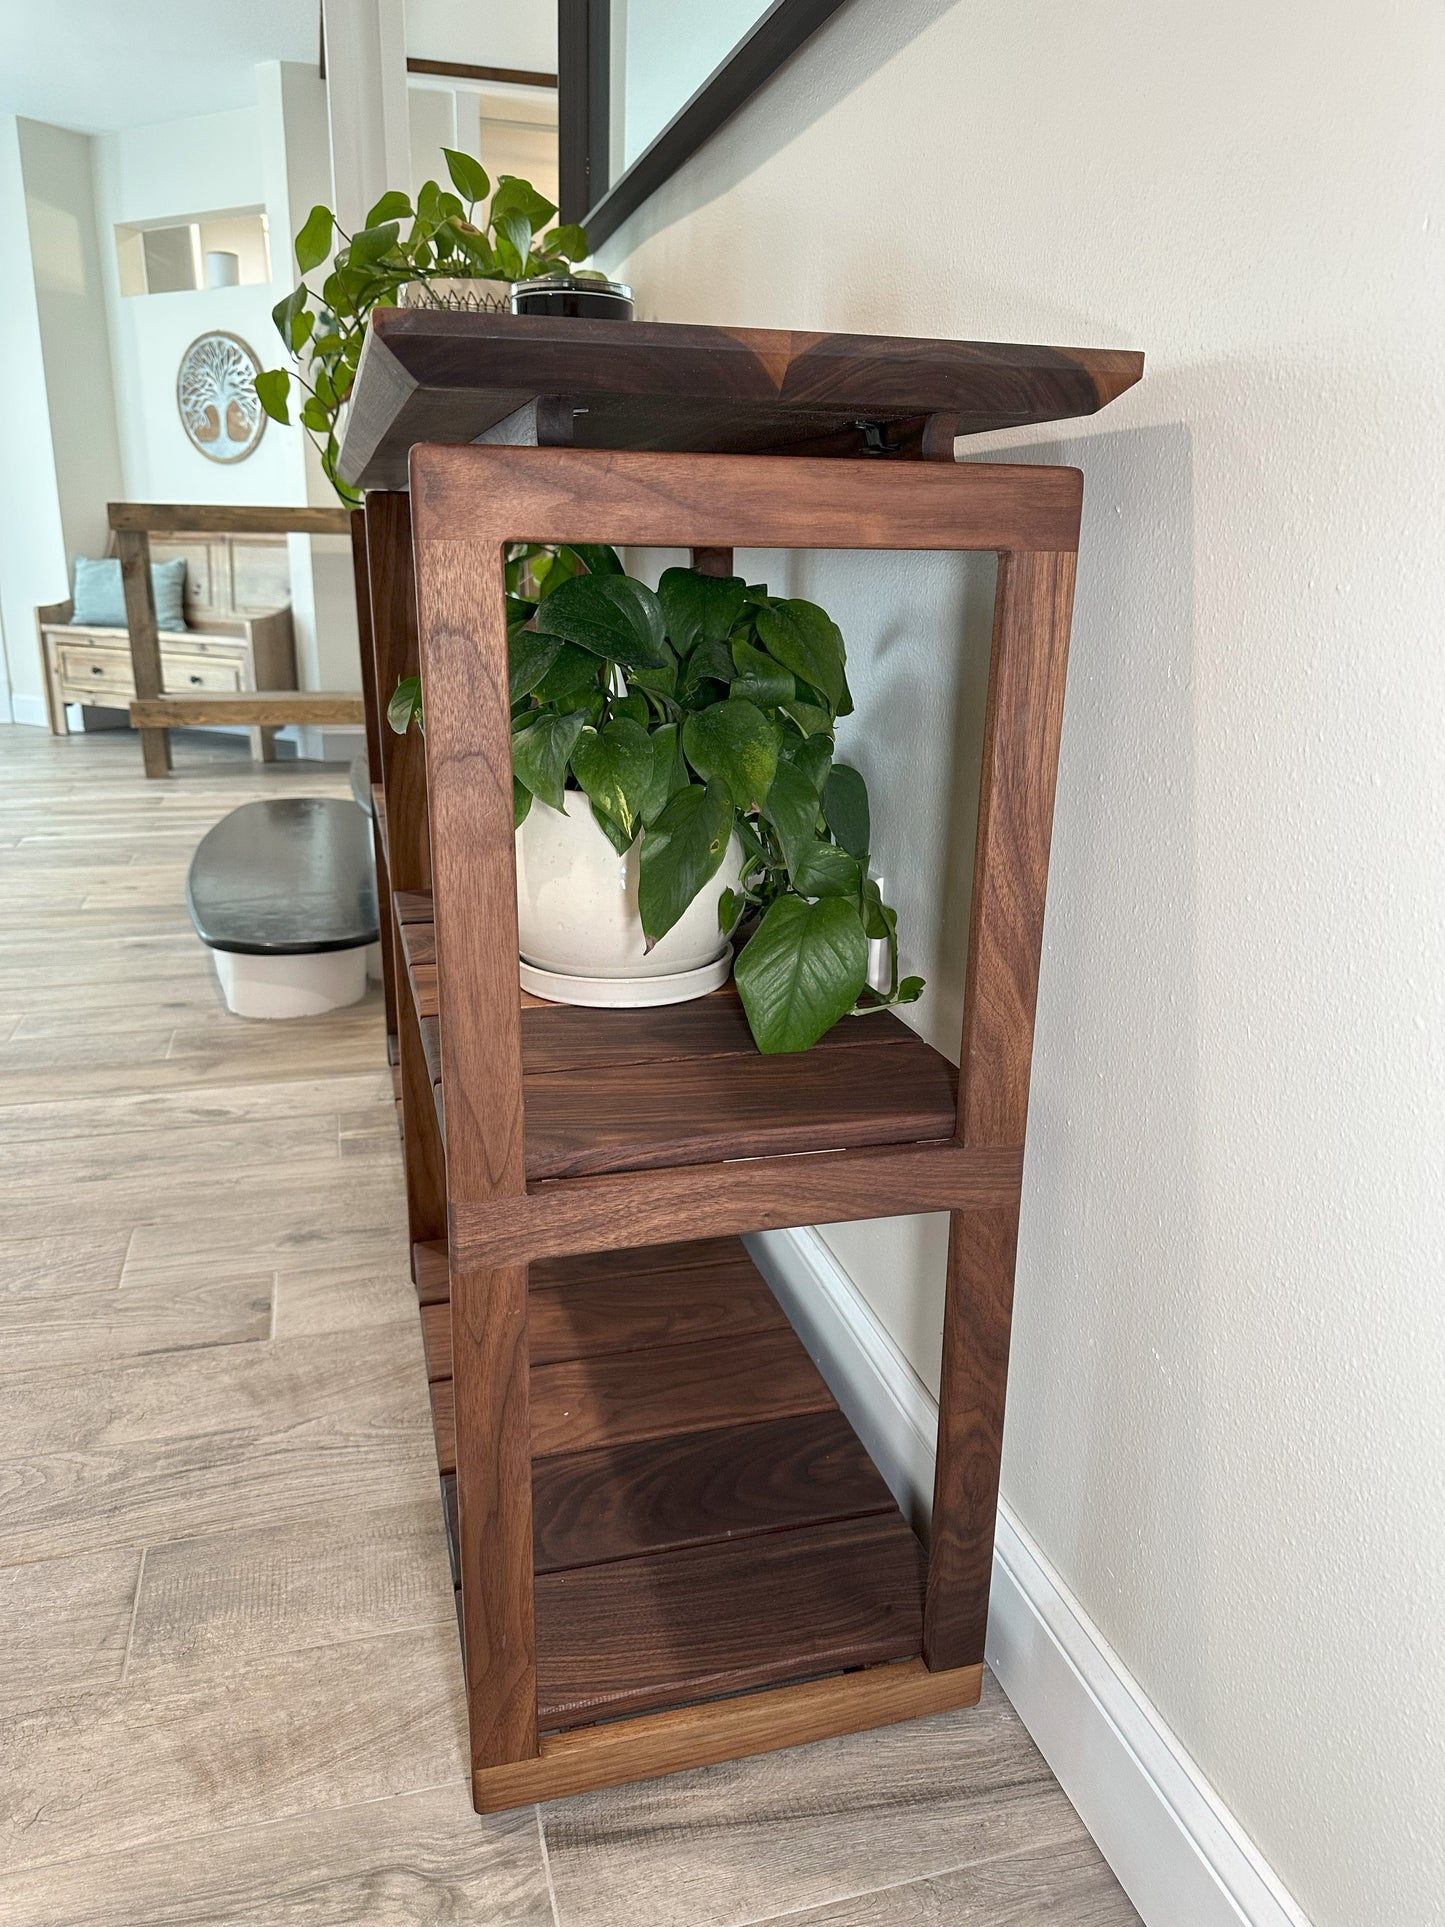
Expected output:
(230, 1686)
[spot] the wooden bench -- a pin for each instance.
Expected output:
(154, 711)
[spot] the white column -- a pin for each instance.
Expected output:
(366, 95)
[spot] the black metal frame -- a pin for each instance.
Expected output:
(584, 53)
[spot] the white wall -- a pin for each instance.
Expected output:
(32, 541)
(1227, 1405)
(486, 33)
(189, 166)
(59, 460)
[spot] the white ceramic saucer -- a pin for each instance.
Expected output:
(627, 993)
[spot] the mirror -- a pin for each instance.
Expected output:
(643, 83)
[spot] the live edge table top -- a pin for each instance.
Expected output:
(436, 376)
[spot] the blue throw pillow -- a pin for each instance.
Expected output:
(100, 596)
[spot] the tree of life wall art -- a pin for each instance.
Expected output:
(216, 397)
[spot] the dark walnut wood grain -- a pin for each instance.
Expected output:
(686, 1084)
(565, 1215)
(586, 1317)
(439, 377)
(1023, 723)
(544, 1164)
(430, 1272)
(698, 1487)
(654, 501)
(659, 1630)
(699, 1110)
(620, 1398)
(649, 1744)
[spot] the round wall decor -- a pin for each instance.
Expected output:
(216, 396)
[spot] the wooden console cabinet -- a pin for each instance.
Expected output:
(669, 1547)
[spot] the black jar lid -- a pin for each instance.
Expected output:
(570, 283)
(572, 295)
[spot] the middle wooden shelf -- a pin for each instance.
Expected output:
(633, 1090)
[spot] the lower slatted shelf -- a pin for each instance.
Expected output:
(705, 1521)
(635, 1634)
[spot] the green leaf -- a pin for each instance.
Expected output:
(823, 870)
(879, 922)
(811, 720)
(909, 991)
(611, 615)
(370, 244)
(635, 705)
(792, 809)
(273, 386)
(316, 416)
(805, 639)
(285, 312)
(735, 742)
(698, 607)
(728, 906)
(615, 834)
(518, 230)
(669, 772)
(519, 612)
(469, 177)
(845, 810)
(707, 675)
(680, 853)
(521, 803)
(529, 657)
(405, 703)
(598, 558)
(659, 682)
(801, 971)
(614, 766)
(516, 196)
(539, 755)
(813, 755)
(569, 240)
(393, 206)
(301, 326)
(509, 261)
(569, 680)
(759, 678)
(313, 243)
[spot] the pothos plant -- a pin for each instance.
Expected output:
(324, 332)
(703, 710)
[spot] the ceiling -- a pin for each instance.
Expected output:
(97, 65)
(102, 64)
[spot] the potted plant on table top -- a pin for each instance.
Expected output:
(673, 771)
(444, 249)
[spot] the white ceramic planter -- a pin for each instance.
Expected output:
(578, 924)
(460, 294)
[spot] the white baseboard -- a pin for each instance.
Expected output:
(28, 709)
(1176, 1849)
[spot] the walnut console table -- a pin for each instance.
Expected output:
(669, 1547)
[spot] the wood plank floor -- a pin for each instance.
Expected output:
(230, 1689)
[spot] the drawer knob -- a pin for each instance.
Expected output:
(195, 679)
(96, 669)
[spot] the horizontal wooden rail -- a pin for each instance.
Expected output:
(268, 706)
(570, 1215)
(226, 518)
(497, 495)
(688, 1736)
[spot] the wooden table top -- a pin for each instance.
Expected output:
(435, 376)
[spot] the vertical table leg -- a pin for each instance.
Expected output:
(134, 548)
(1032, 610)
(464, 664)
